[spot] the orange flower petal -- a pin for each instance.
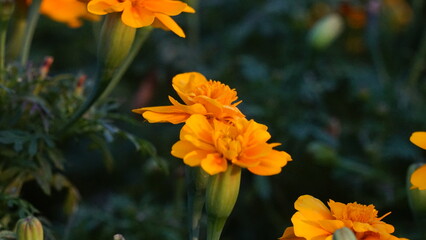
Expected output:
(188, 9)
(289, 235)
(200, 128)
(312, 208)
(185, 83)
(196, 108)
(170, 24)
(307, 229)
(162, 114)
(331, 225)
(214, 164)
(271, 164)
(195, 158)
(181, 148)
(419, 139)
(102, 7)
(168, 7)
(136, 17)
(418, 178)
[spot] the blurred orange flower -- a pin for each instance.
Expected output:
(418, 178)
(314, 221)
(201, 96)
(70, 12)
(215, 144)
(142, 13)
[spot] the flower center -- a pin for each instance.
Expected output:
(358, 213)
(216, 90)
(227, 143)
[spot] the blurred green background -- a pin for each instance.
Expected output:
(343, 109)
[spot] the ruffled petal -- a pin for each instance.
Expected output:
(200, 128)
(170, 24)
(195, 158)
(312, 208)
(418, 178)
(136, 17)
(185, 83)
(419, 139)
(214, 164)
(181, 148)
(168, 7)
(307, 229)
(102, 7)
(271, 164)
(289, 235)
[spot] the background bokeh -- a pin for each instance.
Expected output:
(344, 111)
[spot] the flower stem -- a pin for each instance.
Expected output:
(196, 185)
(6, 10)
(419, 62)
(115, 43)
(215, 227)
(221, 196)
(33, 17)
(3, 28)
(17, 31)
(141, 36)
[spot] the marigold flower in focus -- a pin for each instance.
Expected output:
(70, 12)
(314, 221)
(201, 96)
(418, 178)
(142, 13)
(214, 145)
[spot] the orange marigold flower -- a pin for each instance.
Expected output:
(70, 12)
(418, 178)
(215, 144)
(314, 221)
(201, 96)
(142, 13)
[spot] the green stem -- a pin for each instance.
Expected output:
(418, 65)
(115, 43)
(3, 32)
(196, 180)
(215, 227)
(33, 17)
(141, 36)
(221, 196)
(6, 10)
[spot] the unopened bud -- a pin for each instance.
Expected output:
(44, 69)
(29, 228)
(6, 10)
(325, 31)
(344, 234)
(118, 237)
(221, 196)
(416, 197)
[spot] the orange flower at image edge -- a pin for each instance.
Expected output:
(66, 11)
(142, 13)
(314, 221)
(418, 178)
(215, 145)
(201, 96)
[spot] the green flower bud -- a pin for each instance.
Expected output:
(344, 234)
(115, 41)
(118, 237)
(416, 197)
(6, 10)
(29, 228)
(325, 31)
(221, 195)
